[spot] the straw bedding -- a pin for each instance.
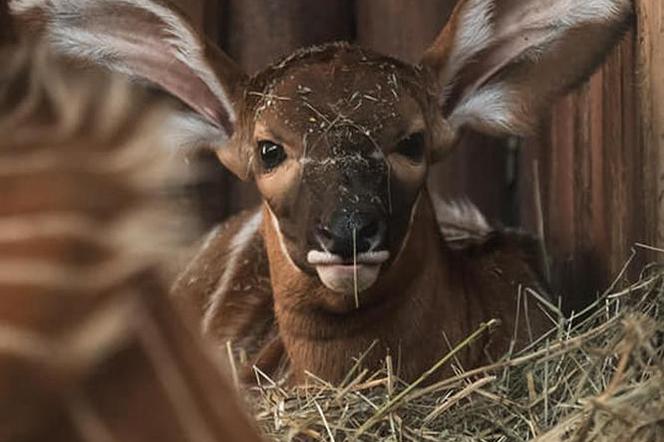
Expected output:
(597, 376)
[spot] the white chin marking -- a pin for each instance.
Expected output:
(342, 278)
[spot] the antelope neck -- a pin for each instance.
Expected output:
(404, 311)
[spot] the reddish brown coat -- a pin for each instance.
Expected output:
(91, 347)
(461, 283)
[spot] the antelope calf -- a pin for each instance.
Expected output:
(348, 247)
(91, 348)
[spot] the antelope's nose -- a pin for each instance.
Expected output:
(350, 232)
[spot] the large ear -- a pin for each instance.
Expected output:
(501, 63)
(152, 42)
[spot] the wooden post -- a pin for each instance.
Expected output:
(397, 28)
(650, 80)
(258, 32)
(602, 166)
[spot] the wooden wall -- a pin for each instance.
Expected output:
(601, 164)
(599, 185)
(650, 110)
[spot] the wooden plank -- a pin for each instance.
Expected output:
(258, 32)
(599, 164)
(397, 28)
(650, 71)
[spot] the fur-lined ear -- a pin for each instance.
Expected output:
(150, 41)
(500, 63)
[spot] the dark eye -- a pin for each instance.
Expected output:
(412, 147)
(272, 154)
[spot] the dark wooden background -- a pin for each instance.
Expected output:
(591, 184)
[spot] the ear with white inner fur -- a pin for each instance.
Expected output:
(153, 42)
(501, 63)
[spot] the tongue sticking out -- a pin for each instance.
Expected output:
(344, 276)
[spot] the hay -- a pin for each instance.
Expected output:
(595, 377)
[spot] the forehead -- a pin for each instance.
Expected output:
(339, 89)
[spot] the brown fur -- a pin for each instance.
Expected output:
(339, 141)
(436, 290)
(483, 275)
(91, 348)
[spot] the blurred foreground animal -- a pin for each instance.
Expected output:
(91, 348)
(348, 246)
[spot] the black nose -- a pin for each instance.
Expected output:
(351, 231)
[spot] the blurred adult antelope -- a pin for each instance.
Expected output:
(91, 348)
(348, 247)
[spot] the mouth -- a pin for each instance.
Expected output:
(316, 258)
(348, 275)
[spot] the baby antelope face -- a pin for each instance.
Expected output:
(339, 139)
(340, 151)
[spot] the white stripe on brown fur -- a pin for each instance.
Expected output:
(202, 249)
(85, 322)
(460, 220)
(14, 229)
(237, 247)
(280, 236)
(38, 274)
(496, 67)
(411, 220)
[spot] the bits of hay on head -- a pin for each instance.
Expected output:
(595, 377)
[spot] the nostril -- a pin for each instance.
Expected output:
(368, 231)
(325, 238)
(324, 232)
(350, 233)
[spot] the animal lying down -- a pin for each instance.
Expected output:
(345, 248)
(228, 284)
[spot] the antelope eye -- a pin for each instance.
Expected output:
(272, 154)
(412, 147)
